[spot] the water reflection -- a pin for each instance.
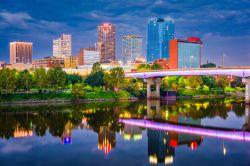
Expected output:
(103, 119)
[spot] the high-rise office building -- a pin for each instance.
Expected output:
(185, 53)
(131, 48)
(62, 47)
(21, 52)
(106, 42)
(160, 31)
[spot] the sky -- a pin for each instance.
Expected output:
(223, 25)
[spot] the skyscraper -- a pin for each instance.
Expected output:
(160, 31)
(106, 42)
(62, 47)
(131, 48)
(20, 52)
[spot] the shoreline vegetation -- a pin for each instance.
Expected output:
(54, 86)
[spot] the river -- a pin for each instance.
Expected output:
(184, 132)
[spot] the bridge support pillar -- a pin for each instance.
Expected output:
(153, 94)
(247, 92)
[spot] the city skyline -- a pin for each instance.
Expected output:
(223, 30)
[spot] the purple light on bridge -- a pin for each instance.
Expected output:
(191, 72)
(231, 135)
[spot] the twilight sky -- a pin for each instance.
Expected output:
(223, 25)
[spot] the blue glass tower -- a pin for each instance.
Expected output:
(160, 31)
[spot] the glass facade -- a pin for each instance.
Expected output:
(188, 55)
(160, 31)
(131, 48)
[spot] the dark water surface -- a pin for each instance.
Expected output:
(90, 134)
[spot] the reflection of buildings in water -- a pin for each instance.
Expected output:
(106, 139)
(132, 133)
(67, 135)
(161, 145)
(159, 150)
(18, 133)
(84, 123)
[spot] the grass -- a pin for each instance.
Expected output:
(34, 96)
(107, 95)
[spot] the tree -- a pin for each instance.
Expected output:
(78, 91)
(7, 80)
(56, 78)
(115, 78)
(156, 66)
(223, 81)
(194, 82)
(96, 68)
(143, 67)
(95, 79)
(73, 79)
(209, 81)
(40, 78)
(24, 80)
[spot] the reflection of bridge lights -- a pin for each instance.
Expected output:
(225, 134)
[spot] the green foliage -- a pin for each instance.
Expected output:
(223, 82)
(194, 82)
(209, 81)
(115, 78)
(56, 78)
(96, 68)
(78, 91)
(40, 78)
(132, 86)
(145, 67)
(24, 80)
(95, 79)
(73, 79)
(156, 66)
(35, 96)
(7, 80)
(107, 95)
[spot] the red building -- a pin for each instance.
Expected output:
(185, 53)
(163, 62)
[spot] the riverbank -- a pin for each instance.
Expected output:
(63, 98)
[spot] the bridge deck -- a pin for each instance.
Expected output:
(240, 72)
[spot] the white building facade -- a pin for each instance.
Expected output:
(62, 47)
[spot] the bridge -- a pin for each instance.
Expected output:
(231, 134)
(155, 77)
